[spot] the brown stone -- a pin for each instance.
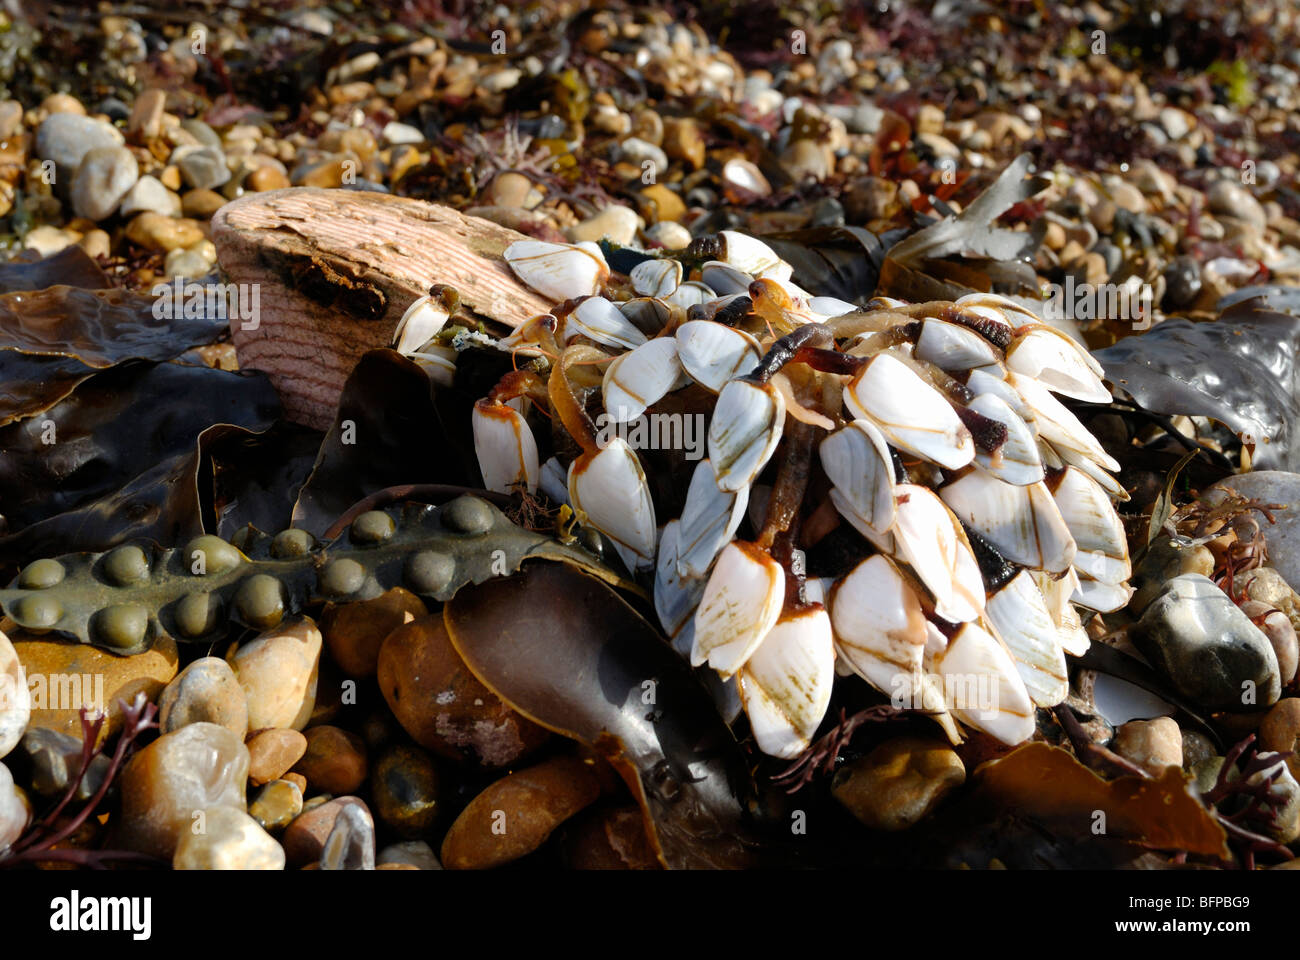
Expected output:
(660, 203)
(168, 782)
(515, 815)
(62, 103)
(63, 677)
(323, 173)
(297, 779)
(612, 839)
(440, 703)
(266, 177)
(201, 204)
(1280, 731)
(899, 783)
(354, 632)
(304, 839)
(684, 141)
(404, 790)
(335, 760)
(272, 752)
(153, 231)
(145, 122)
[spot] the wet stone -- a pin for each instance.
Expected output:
(14, 812)
(440, 703)
(198, 767)
(354, 632)
(1153, 745)
(230, 840)
(335, 760)
(1283, 537)
(68, 676)
(351, 841)
(276, 805)
(1213, 654)
(304, 839)
(205, 691)
(1280, 731)
(15, 698)
(516, 814)
(404, 790)
(899, 783)
(1164, 561)
(54, 760)
(278, 671)
(271, 753)
(411, 853)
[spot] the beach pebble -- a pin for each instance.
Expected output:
(161, 234)
(1163, 561)
(1211, 651)
(66, 138)
(350, 844)
(404, 790)
(15, 698)
(206, 691)
(1228, 198)
(278, 671)
(1151, 744)
(267, 177)
(64, 677)
(1283, 537)
(412, 853)
(166, 784)
(334, 761)
(354, 632)
(14, 811)
(104, 178)
(616, 223)
(440, 703)
(1277, 627)
(899, 783)
(515, 815)
(148, 195)
(271, 753)
(230, 840)
(53, 760)
(276, 804)
(304, 839)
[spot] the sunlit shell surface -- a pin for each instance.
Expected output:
(935, 432)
